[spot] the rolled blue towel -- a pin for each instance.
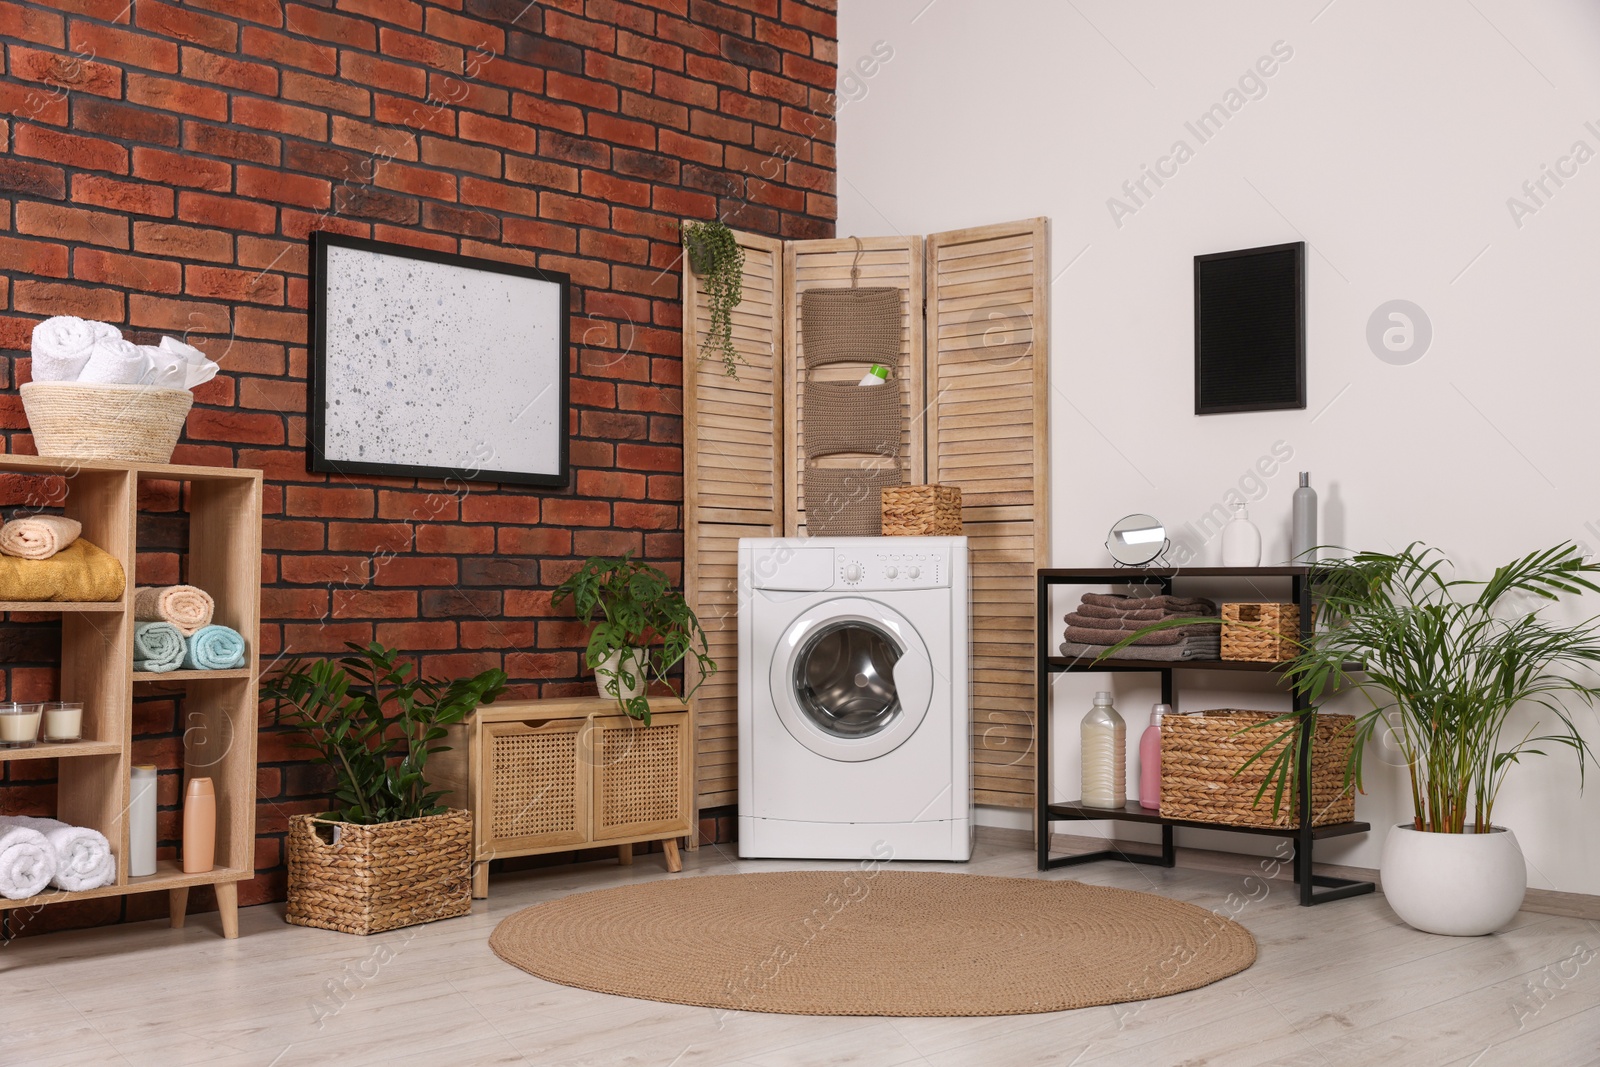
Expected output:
(214, 648)
(157, 646)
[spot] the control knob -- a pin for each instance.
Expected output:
(852, 572)
(891, 571)
(914, 572)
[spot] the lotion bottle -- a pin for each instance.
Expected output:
(199, 826)
(1241, 541)
(876, 375)
(142, 821)
(1105, 755)
(1150, 760)
(1303, 525)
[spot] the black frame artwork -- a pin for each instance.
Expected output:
(1250, 330)
(491, 362)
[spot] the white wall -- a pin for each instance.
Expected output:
(1390, 141)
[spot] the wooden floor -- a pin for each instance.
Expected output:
(1336, 985)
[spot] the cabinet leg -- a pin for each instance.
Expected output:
(228, 908)
(177, 905)
(625, 855)
(669, 849)
(480, 881)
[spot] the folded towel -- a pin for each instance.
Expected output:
(1121, 602)
(1091, 635)
(1133, 625)
(199, 369)
(61, 346)
(187, 607)
(167, 370)
(83, 858)
(38, 536)
(1184, 650)
(215, 648)
(27, 862)
(78, 573)
(1095, 611)
(115, 361)
(157, 646)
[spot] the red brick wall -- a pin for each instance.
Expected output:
(160, 169)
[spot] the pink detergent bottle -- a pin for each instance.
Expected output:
(1150, 759)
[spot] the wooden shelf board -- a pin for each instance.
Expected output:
(169, 875)
(44, 750)
(66, 465)
(1124, 574)
(56, 607)
(1062, 663)
(190, 676)
(1076, 810)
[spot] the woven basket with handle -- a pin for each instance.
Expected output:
(381, 876)
(922, 511)
(1261, 632)
(83, 420)
(1203, 774)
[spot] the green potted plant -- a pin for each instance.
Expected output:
(714, 254)
(388, 854)
(646, 629)
(1444, 664)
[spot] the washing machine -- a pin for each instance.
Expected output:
(854, 698)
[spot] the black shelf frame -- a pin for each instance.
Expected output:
(1047, 812)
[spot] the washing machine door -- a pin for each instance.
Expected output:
(851, 679)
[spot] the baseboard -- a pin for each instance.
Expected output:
(1539, 901)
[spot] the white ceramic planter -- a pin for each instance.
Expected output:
(1458, 884)
(608, 670)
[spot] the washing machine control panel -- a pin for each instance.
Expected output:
(892, 570)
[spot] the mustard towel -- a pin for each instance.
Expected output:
(79, 573)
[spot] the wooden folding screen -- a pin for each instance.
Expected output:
(973, 376)
(733, 487)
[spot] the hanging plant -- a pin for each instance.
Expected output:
(715, 256)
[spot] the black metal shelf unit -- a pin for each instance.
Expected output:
(1049, 663)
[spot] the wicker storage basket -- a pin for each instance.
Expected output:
(1201, 756)
(379, 877)
(80, 420)
(1269, 632)
(922, 511)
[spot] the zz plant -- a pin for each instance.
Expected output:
(641, 613)
(375, 723)
(714, 254)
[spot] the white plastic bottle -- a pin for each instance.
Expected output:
(142, 821)
(1105, 755)
(1241, 541)
(876, 375)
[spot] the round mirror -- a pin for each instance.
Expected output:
(1136, 540)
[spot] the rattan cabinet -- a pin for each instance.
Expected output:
(557, 775)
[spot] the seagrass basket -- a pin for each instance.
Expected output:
(1203, 774)
(1265, 633)
(922, 511)
(366, 879)
(84, 420)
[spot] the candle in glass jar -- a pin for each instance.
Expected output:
(63, 721)
(19, 725)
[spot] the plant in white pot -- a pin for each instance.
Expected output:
(645, 630)
(1445, 663)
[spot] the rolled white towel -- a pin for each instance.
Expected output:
(62, 345)
(168, 369)
(115, 361)
(200, 369)
(83, 858)
(27, 862)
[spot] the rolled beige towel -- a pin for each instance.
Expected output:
(38, 536)
(185, 606)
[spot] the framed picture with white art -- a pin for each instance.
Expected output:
(428, 364)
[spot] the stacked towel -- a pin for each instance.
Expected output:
(185, 606)
(1190, 648)
(27, 862)
(1170, 605)
(38, 536)
(83, 858)
(214, 648)
(62, 345)
(79, 572)
(1105, 619)
(157, 646)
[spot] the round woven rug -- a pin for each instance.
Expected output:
(875, 942)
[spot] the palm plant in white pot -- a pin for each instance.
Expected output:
(1444, 664)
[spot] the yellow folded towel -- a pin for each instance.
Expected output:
(38, 536)
(79, 573)
(187, 607)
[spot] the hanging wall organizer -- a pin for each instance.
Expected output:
(965, 406)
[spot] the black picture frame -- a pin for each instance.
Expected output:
(319, 378)
(1250, 330)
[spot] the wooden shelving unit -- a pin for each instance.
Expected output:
(224, 558)
(1161, 578)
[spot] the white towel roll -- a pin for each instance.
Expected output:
(27, 862)
(200, 369)
(115, 361)
(63, 344)
(83, 858)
